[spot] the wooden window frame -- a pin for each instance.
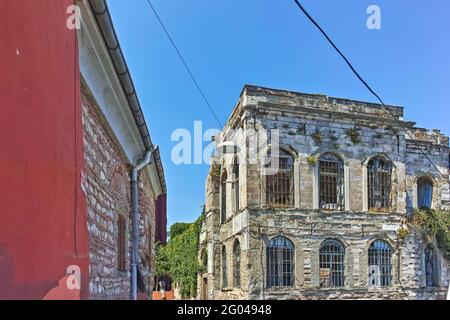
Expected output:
(121, 243)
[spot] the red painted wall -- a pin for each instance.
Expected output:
(42, 208)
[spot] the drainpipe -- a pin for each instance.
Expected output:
(135, 220)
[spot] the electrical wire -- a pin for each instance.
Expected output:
(185, 64)
(302, 8)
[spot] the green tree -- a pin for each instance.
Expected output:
(437, 222)
(178, 259)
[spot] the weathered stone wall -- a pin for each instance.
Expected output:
(299, 119)
(107, 187)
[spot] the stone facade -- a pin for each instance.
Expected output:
(106, 184)
(308, 126)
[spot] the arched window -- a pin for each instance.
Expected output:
(379, 182)
(331, 259)
(237, 264)
(280, 179)
(223, 196)
(380, 264)
(424, 192)
(224, 268)
(430, 266)
(236, 183)
(331, 182)
(280, 263)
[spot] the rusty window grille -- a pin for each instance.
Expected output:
(280, 185)
(121, 245)
(280, 263)
(235, 184)
(430, 266)
(380, 264)
(224, 268)
(223, 196)
(424, 192)
(331, 182)
(379, 178)
(331, 259)
(237, 264)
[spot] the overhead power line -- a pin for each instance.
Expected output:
(185, 64)
(407, 130)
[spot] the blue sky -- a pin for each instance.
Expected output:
(270, 43)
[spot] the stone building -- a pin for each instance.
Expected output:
(315, 199)
(115, 139)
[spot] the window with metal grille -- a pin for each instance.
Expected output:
(331, 182)
(379, 182)
(430, 266)
(424, 192)
(224, 268)
(121, 245)
(236, 183)
(280, 263)
(237, 264)
(280, 185)
(380, 264)
(331, 259)
(223, 196)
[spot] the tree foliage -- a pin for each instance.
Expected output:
(178, 259)
(436, 222)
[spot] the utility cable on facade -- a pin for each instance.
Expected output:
(185, 64)
(408, 132)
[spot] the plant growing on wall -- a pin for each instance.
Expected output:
(312, 160)
(178, 259)
(317, 136)
(437, 222)
(402, 233)
(215, 170)
(354, 135)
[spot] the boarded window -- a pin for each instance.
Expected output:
(380, 264)
(236, 183)
(224, 268)
(237, 264)
(424, 192)
(331, 264)
(223, 196)
(280, 184)
(121, 244)
(331, 182)
(280, 263)
(430, 266)
(379, 182)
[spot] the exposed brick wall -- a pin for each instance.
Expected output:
(107, 187)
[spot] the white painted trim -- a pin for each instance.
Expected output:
(100, 75)
(315, 187)
(347, 188)
(365, 194)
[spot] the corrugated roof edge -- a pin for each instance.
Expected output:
(105, 24)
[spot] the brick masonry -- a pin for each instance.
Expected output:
(107, 187)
